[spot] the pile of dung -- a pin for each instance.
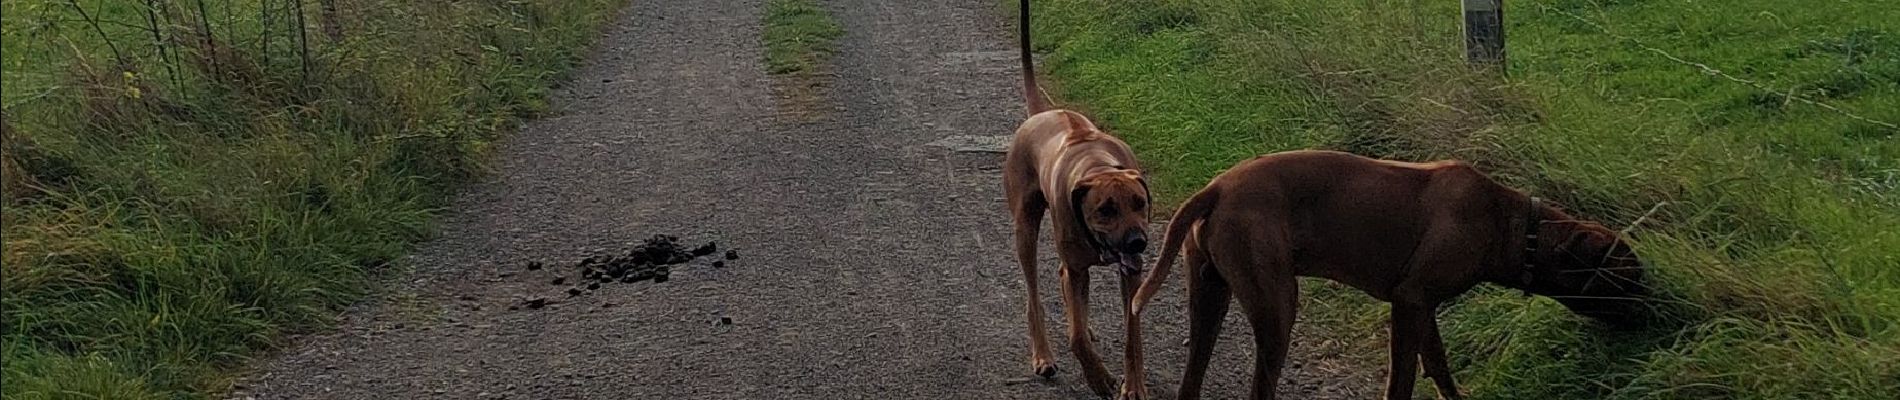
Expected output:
(651, 260)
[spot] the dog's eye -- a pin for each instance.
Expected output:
(1137, 205)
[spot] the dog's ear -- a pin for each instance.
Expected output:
(1574, 242)
(1554, 239)
(1076, 195)
(1146, 195)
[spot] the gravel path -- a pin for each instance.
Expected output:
(873, 264)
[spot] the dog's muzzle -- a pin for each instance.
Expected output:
(1125, 263)
(1130, 264)
(1127, 254)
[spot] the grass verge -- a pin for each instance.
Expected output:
(1772, 227)
(798, 36)
(185, 181)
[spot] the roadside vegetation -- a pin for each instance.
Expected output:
(799, 36)
(187, 181)
(1747, 147)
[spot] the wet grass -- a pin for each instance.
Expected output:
(1773, 182)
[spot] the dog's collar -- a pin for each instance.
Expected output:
(1533, 219)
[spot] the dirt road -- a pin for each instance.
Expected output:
(874, 265)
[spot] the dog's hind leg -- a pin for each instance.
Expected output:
(1272, 315)
(1208, 299)
(1028, 213)
(1259, 269)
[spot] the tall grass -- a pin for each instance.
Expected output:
(1770, 219)
(186, 180)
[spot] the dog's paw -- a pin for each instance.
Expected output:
(1043, 368)
(1133, 392)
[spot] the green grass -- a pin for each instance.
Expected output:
(173, 205)
(1773, 239)
(798, 36)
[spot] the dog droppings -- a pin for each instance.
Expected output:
(709, 248)
(651, 260)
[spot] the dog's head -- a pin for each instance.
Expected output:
(1112, 206)
(1590, 270)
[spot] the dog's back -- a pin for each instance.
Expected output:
(1354, 219)
(1062, 136)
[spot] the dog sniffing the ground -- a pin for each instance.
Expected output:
(1411, 234)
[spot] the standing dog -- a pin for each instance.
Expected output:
(1411, 234)
(1060, 162)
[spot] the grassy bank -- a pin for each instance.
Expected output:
(185, 181)
(798, 36)
(1771, 186)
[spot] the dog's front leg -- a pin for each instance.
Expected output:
(1432, 352)
(1075, 304)
(1028, 223)
(1135, 381)
(1408, 322)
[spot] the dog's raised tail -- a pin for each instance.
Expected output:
(1193, 211)
(1032, 93)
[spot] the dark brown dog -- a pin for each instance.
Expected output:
(1060, 162)
(1411, 234)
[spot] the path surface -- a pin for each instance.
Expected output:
(873, 265)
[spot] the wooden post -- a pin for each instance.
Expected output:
(1484, 33)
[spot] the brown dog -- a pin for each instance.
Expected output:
(1411, 234)
(1060, 162)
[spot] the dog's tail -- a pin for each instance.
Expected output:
(1032, 93)
(1190, 213)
